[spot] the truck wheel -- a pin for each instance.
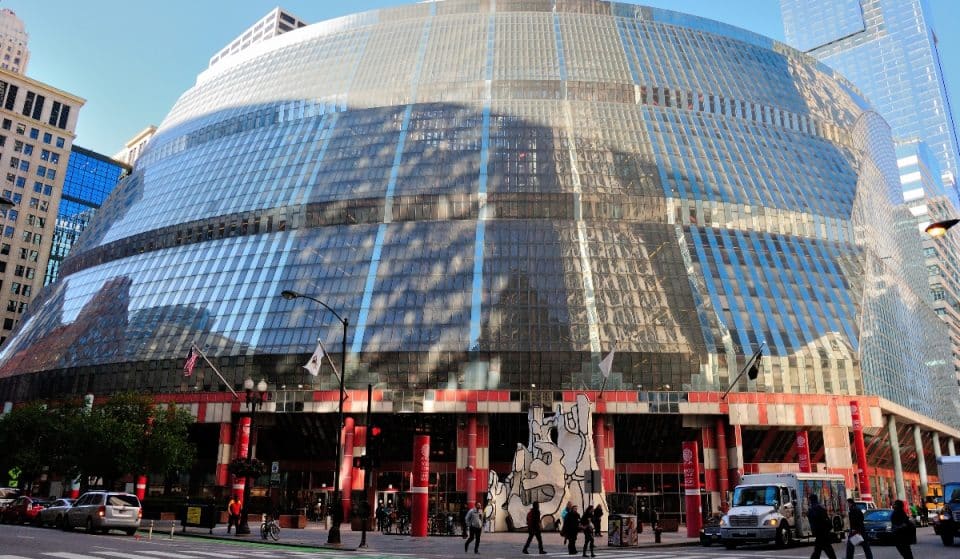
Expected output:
(784, 538)
(730, 545)
(946, 538)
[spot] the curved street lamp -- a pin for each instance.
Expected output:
(333, 537)
(939, 228)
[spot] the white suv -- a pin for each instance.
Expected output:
(103, 511)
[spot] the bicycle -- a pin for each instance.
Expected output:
(270, 528)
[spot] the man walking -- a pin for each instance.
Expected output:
(857, 528)
(571, 527)
(533, 528)
(475, 525)
(822, 529)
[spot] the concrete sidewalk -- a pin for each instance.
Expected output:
(498, 544)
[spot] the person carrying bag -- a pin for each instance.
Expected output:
(857, 530)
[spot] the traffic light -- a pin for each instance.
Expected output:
(374, 445)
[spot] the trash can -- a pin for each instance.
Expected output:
(622, 530)
(199, 514)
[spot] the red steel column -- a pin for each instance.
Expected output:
(600, 446)
(802, 446)
(737, 464)
(471, 461)
(691, 486)
(723, 473)
(243, 446)
(420, 486)
(346, 467)
(141, 491)
(860, 449)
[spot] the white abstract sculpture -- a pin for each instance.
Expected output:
(547, 472)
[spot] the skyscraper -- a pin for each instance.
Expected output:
(14, 54)
(888, 48)
(90, 179)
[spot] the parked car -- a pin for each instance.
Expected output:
(710, 533)
(878, 526)
(23, 510)
(7, 496)
(102, 511)
(54, 514)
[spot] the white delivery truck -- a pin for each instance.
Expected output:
(946, 520)
(773, 508)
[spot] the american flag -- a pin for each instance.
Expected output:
(191, 363)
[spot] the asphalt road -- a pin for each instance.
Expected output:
(25, 542)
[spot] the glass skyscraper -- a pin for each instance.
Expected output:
(495, 196)
(90, 179)
(888, 48)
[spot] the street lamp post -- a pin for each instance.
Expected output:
(939, 228)
(333, 536)
(255, 400)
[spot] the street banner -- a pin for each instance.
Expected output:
(691, 487)
(420, 486)
(802, 444)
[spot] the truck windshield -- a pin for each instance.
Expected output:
(951, 493)
(756, 495)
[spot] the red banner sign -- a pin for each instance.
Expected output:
(802, 444)
(691, 486)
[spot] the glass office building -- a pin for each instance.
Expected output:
(888, 48)
(495, 197)
(90, 179)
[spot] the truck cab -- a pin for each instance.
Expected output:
(772, 508)
(946, 522)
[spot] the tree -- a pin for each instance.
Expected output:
(36, 437)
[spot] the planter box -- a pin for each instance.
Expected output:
(296, 521)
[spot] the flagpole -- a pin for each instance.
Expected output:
(332, 364)
(225, 383)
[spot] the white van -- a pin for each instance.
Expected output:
(102, 511)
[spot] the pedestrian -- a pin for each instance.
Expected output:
(904, 531)
(234, 508)
(822, 529)
(597, 520)
(563, 518)
(533, 528)
(571, 527)
(586, 526)
(857, 529)
(475, 525)
(381, 517)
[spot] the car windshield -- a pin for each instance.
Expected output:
(123, 500)
(877, 515)
(756, 495)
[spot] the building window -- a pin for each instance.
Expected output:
(47, 137)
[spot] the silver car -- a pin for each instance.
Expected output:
(102, 511)
(55, 514)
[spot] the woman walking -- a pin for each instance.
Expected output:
(903, 529)
(586, 526)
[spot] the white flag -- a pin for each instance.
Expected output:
(313, 365)
(607, 363)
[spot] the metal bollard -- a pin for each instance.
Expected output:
(173, 526)
(656, 533)
(150, 532)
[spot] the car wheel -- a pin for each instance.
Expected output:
(65, 524)
(705, 541)
(90, 529)
(946, 538)
(130, 531)
(730, 545)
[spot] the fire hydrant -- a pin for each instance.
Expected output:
(656, 532)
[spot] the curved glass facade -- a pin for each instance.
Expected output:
(495, 198)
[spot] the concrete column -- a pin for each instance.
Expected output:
(921, 461)
(895, 451)
(710, 465)
(735, 455)
(936, 444)
(224, 455)
(951, 449)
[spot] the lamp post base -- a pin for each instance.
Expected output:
(333, 536)
(243, 529)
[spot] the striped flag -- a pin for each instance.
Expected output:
(191, 363)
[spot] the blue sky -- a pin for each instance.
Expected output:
(132, 59)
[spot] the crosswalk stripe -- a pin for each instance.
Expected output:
(218, 555)
(67, 555)
(165, 554)
(13, 557)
